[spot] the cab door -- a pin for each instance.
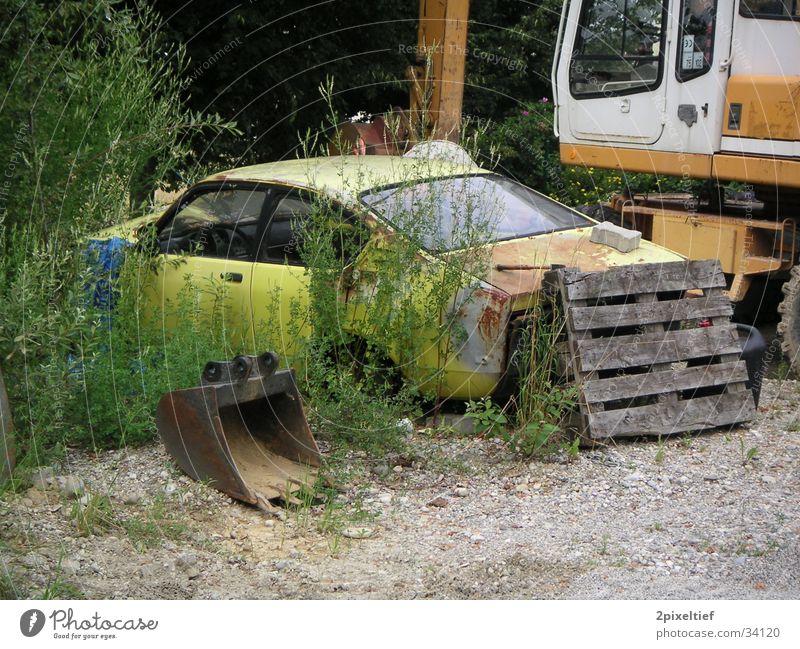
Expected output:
(699, 76)
(206, 271)
(611, 72)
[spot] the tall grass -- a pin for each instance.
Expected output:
(92, 123)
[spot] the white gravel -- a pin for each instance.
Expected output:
(464, 518)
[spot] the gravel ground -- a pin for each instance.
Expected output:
(694, 517)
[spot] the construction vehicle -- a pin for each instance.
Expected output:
(693, 89)
(698, 90)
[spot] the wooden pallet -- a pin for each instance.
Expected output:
(638, 350)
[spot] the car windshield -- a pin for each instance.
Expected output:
(459, 211)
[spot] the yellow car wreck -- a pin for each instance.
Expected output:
(462, 248)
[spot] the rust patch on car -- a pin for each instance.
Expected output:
(490, 320)
(517, 265)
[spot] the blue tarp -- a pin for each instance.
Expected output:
(105, 259)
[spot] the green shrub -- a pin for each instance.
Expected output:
(129, 362)
(92, 122)
(488, 417)
(534, 417)
(543, 401)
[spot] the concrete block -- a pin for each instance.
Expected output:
(615, 236)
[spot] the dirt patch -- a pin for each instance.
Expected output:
(703, 516)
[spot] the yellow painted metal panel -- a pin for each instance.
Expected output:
(699, 238)
(777, 172)
(689, 165)
(780, 172)
(770, 107)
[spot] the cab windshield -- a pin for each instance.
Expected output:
(462, 211)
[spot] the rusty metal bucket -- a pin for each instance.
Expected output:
(243, 430)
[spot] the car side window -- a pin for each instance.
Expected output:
(280, 242)
(297, 214)
(219, 222)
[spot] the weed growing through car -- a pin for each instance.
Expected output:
(544, 399)
(125, 363)
(386, 297)
(394, 300)
(534, 416)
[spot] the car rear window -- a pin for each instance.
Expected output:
(458, 211)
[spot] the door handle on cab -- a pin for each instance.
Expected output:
(236, 278)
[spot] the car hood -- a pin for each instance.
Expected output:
(570, 248)
(128, 229)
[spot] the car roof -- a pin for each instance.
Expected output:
(346, 176)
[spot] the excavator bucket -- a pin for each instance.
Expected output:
(243, 430)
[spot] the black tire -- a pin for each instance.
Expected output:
(760, 303)
(789, 325)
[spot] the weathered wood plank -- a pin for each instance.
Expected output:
(733, 387)
(636, 385)
(652, 298)
(666, 418)
(552, 282)
(636, 313)
(652, 348)
(642, 278)
(656, 347)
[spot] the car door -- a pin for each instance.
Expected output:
(279, 287)
(282, 316)
(209, 241)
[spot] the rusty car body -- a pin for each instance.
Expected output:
(239, 228)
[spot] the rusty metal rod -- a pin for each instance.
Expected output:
(522, 267)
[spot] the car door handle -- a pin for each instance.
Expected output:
(236, 278)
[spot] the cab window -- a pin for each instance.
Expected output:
(696, 38)
(772, 9)
(618, 48)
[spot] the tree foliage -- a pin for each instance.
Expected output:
(91, 113)
(510, 52)
(260, 63)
